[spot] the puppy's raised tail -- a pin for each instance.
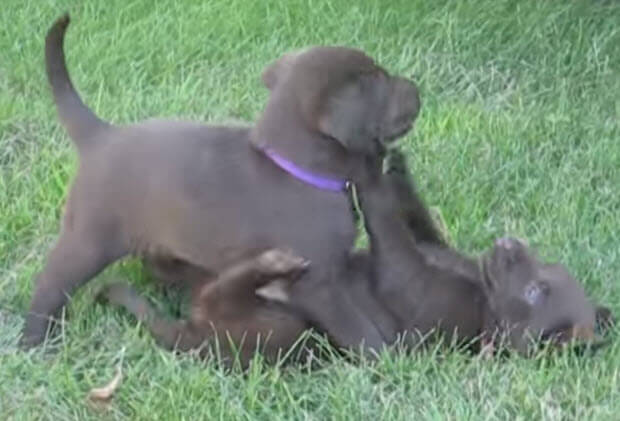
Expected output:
(79, 121)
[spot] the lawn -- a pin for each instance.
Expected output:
(519, 134)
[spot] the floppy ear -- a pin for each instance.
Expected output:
(352, 115)
(274, 72)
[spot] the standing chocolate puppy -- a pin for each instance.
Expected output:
(207, 197)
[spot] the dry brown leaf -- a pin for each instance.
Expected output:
(105, 393)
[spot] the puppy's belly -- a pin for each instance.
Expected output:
(226, 234)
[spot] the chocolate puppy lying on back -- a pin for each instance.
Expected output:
(509, 292)
(407, 288)
(198, 198)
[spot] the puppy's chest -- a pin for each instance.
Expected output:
(315, 224)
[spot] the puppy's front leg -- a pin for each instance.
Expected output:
(414, 210)
(170, 334)
(79, 254)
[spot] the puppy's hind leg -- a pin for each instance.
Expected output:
(170, 334)
(247, 276)
(74, 260)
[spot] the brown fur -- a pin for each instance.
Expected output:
(227, 316)
(407, 288)
(197, 199)
(508, 291)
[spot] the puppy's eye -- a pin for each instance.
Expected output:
(534, 292)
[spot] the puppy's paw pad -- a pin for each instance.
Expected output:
(281, 261)
(510, 250)
(510, 243)
(276, 291)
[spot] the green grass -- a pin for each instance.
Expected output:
(519, 134)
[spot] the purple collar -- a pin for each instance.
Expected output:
(315, 180)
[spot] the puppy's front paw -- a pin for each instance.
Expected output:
(510, 250)
(510, 243)
(281, 262)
